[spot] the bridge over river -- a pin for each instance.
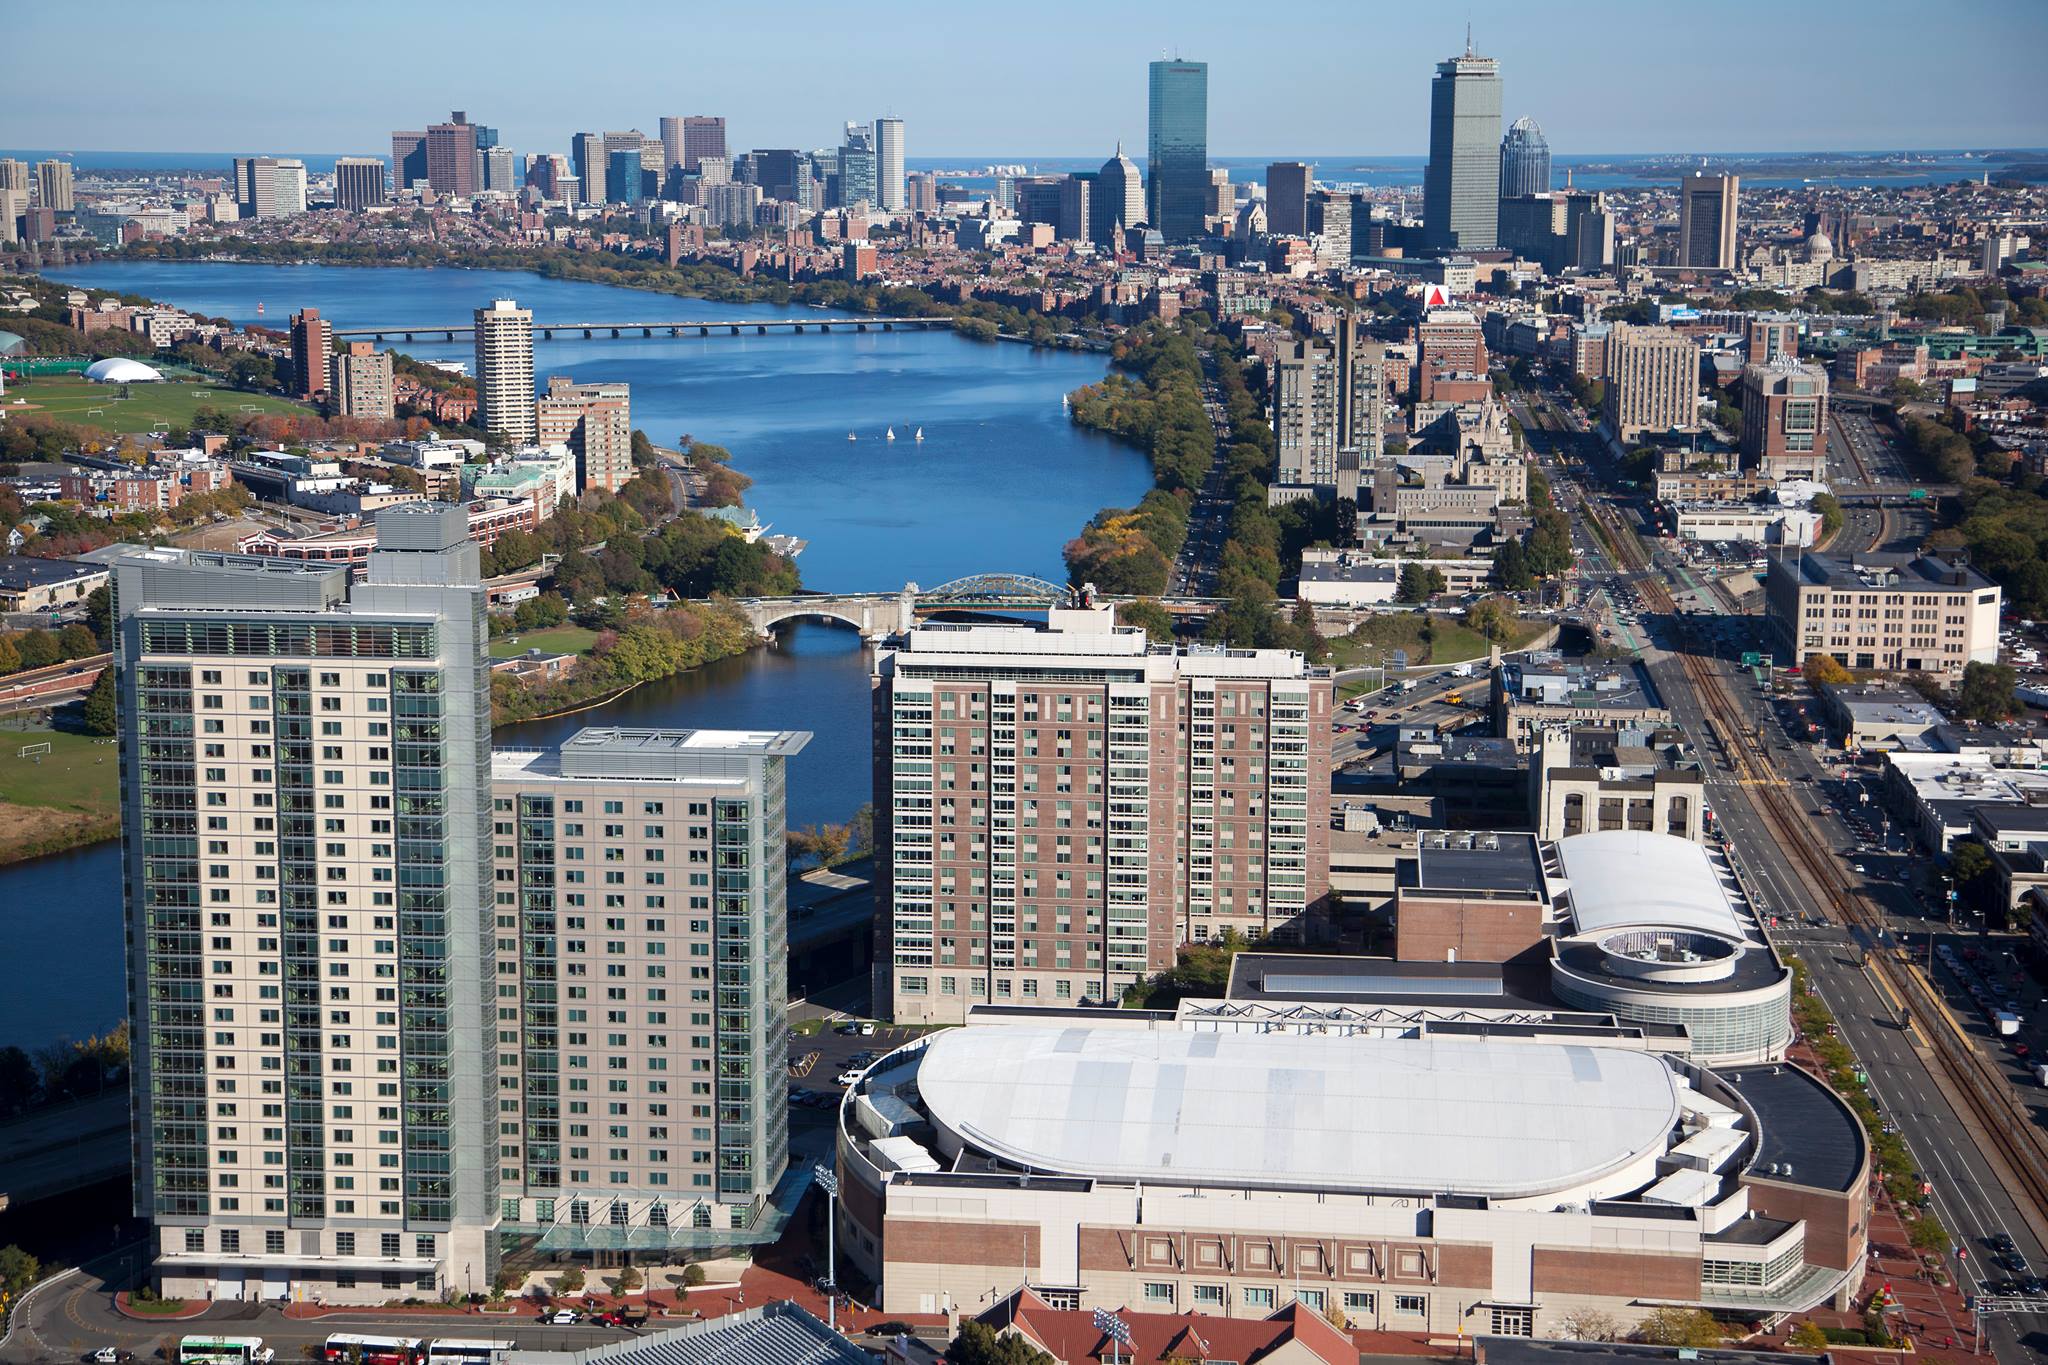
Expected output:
(877, 615)
(614, 331)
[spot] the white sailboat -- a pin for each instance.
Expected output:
(851, 437)
(920, 434)
(889, 435)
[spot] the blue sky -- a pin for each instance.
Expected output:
(1056, 78)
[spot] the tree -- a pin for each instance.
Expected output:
(1927, 1234)
(38, 648)
(1146, 612)
(571, 1281)
(18, 1080)
(1830, 509)
(1680, 1327)
(1969, 863)
(76, 641)
(1308, 638)
(693, 1275)
(980, 1344)
(1987, 692)
(1590, 1324)
(1419, 582)
(1511, 568)
(18, 1271)
(1826, 668)
(627, 1280)
(506, 1282)
(10, 656)
(99, 713)
(99, 613)
(1494, 618)
(1808, 1336)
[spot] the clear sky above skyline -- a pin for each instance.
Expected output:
(1060, 78)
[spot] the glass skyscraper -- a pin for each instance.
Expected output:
(1177, 165)
(857, 167)
(1524, 160)
(1461, 188)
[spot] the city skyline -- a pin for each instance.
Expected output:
(1544, 70)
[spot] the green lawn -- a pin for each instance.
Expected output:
(553, 640)
(148, 407)
(1373, 643)
(79, 773)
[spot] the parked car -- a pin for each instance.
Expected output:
(561, 1317)
(111, 1355)
(850, 1075)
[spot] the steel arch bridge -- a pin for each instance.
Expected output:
(995, 592)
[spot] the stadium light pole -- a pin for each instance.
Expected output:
(1117, 1330)
(828, 1181)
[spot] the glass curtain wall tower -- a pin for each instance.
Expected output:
(1177, 155)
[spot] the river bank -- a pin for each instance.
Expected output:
(999, 484)
(974, 319)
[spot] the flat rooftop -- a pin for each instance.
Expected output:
(1523, 1351)
(1878, 572)
(1305, 978)
(27, 571)
(1581, 686)
(1448, 860)
(1804, 1130)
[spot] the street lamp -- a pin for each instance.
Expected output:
(1118, 1332)
(828, 1181)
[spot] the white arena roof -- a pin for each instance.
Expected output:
(1503, 1119)
(1626, 879)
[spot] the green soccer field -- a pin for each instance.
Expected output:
(147, 407)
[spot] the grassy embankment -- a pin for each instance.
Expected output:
(71, 797)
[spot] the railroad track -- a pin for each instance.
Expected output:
(2018, 1142)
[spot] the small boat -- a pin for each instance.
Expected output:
(259, 308)
(851, 437)
(889, 435)
(920, 434)
(1065, 402)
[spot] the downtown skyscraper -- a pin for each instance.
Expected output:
(1177, 149)
(889, 164)
(1524, 160)
(1461, 188)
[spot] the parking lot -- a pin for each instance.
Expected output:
(834, 1053)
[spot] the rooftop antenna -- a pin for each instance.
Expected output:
(1468, 37)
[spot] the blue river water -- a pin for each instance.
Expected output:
(1001, 481)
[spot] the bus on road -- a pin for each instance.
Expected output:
(344, 1348)
(456, 1351)
(224, 1351)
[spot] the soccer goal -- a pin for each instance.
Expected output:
(35, 751)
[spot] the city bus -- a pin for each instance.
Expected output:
(456, 1351)
(344, 1348)
(224, 1351)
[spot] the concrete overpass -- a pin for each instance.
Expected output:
(614, 331)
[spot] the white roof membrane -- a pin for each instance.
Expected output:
(1286, 1111)
(1627, 879)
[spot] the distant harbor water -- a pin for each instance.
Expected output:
(1001, 481)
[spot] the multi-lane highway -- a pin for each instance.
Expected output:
(1974, 1196)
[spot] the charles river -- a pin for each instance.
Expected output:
(1000, 482)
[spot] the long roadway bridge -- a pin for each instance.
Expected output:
(716, 327)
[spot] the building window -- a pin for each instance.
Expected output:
(1411, 1305)
(1159, 1292)
(273, 1242)
(195, 1239)
(1311, 1298)
(1256, 1297)
(1361, 1302)
(1208, 1296)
